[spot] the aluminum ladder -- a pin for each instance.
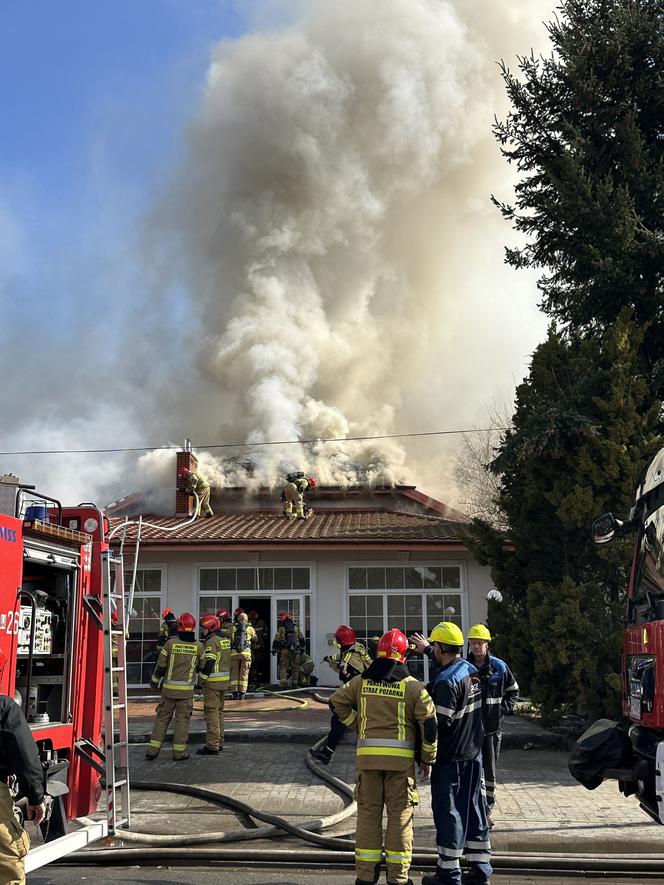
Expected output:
(116, 751)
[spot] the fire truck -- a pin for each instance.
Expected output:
(61, 618)
(632, 752)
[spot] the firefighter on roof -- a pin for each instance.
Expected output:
(244, 636)
(215, 677)
(177, 665)
(195, 482)
(389, 709)
(292, 495)
(167, 628)
(288, 642)
(459, 811)
(500, 692)
(352, 660)
(18, 758)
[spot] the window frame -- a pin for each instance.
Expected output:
(162, 568)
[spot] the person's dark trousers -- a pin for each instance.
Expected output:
(459, 815)
(337, 731)
(490, 754)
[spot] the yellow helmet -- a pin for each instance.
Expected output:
(479, 631)
(447, 634)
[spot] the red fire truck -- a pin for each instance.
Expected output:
(55, 655)
(634, 749)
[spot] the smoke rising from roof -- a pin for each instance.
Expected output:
(331, 227)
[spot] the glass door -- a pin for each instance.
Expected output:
(295, 606)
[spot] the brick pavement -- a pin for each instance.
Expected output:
(539, 805)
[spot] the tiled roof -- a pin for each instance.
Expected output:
(338, 527)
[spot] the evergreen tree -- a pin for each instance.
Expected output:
(584, 424)
(586, 130)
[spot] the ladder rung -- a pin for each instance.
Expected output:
(118, 784)
(116, 707)
(117, 669)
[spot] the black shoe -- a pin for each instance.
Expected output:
(364, 882)
(151, 756)
(322, 754)
(241, 696)
(206, 751)
(409, 882)
(432, 879)
(180, 758)
(474, 877)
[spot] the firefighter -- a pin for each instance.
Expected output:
(215, 677)
(195, 482)
(226, 622)
(288, 642)
(177, 665)
(18, 758)
(388, 707)
(459, 811)
(244, 636)
(258, 656)
(500, 692)
(306, 671)
(292, 495)
(352, 660)
(167, 628)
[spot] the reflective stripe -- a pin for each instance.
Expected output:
(483, 846)
(220, 674)
(397, 856)
(447, 711)
(492, 700)
(429, 748)
(385, 742)
(180, 682)
(363, 718)
(383, 751)
(449, 852)
(448, 864)
(369, 854)
(156, 745)
(425, 697)
(179, 686)
(478, 856)
(350, 718)
(401, 720)
(179, 747)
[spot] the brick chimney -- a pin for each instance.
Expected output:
(184, 504)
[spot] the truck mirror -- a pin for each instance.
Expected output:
(604, 528)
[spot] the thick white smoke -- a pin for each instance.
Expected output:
(333, 214)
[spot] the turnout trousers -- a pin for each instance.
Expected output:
(459, 816)
(240, 666)
(213, 710)
(490, 754)
(204, 502)
(14, 842)
(396, 791)
(289, 659)
(165, 709)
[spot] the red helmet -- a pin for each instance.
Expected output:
(223, 614)
(394, 645)
(285, 616)
(166, 612)
(253, 615)
(184, 471)
(345, 635)
(312, 482)
(186, 623)
(210, 622)
(238, 611)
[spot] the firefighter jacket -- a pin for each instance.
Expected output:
(18, 752)
(457, 694)
(352, 660)
(387, 713)
(241, 645)
(168, 628)
(260, 627)
(196, 483)
(500, 691)
(178, 662)
(216, 668)
(227, 628)
(291, 639)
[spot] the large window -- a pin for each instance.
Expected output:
(410, 598)
(144, 621)
(228, 581)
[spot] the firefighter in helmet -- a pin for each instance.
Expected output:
(191, 482)
(244, 637)
(307, 665)
(352, 660)
(288, 642)
(390, 709)
(19, 758)
(459, 810)
(177, 665)
(258, 656)
(500, 692)
(215, 677)
(226, 622)
(167, 628)
(292, 495)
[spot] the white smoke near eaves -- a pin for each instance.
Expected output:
(342, 255)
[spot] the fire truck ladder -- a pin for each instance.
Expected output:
(115, 695)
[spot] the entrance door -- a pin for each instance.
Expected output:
(295, 606)
(260, 671)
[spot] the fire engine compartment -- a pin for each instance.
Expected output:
(45, 635)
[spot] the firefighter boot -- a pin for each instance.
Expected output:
(206, 751)
(322, 754)
(376, 878)
(473, 877)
